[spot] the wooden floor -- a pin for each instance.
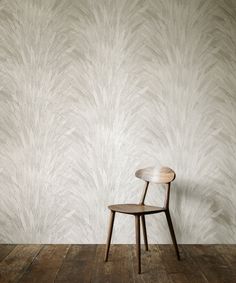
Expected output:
(84, 263)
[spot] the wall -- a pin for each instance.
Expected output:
(93, 90)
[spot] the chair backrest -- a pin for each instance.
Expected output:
(161, 175)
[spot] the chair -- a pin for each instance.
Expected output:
(163, 175)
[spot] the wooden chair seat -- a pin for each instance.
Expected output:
(135, 208)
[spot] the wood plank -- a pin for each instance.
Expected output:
(212, 264)
(117, 269)
(17, 262)
(153, 270)
(179, 277)
(228, 252)
(102, 271)
(45, 266)
(78, 264)
(180, 269)
(84, 263)
(5, 250)
(121, 265)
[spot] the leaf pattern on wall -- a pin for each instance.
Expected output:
(107, 97)
(93, 90)
(181, 91)
(225, 195)
(34, 140)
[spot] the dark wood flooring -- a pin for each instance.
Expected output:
(84, 263)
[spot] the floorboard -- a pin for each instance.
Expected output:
(46, 265)
(211, 263)
(5, 250)
(16, 263)
(78, 264)
(84, 263)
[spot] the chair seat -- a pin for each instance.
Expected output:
(135, 208)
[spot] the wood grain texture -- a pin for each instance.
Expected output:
(135, 208)
(91, 91)
(212, 264)
(156, 175)
(78, 264)
(84, 263)
(5, 250)
(46, 265)
(17, 262)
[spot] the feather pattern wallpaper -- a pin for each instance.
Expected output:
(91, 91)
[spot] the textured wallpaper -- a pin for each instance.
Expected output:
(90, 91)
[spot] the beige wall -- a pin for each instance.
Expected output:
(92, 90)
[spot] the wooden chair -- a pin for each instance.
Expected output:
(163, 175)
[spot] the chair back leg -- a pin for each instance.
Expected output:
(112, 217)
(172, 233)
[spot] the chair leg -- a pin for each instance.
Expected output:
(137, 230)
(112, 217)
(172, 233)
(144, 231)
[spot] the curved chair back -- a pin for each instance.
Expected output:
(161, 175)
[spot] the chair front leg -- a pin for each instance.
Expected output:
(112, 217)
(137, 230)
(172, 233)
(144, 232)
